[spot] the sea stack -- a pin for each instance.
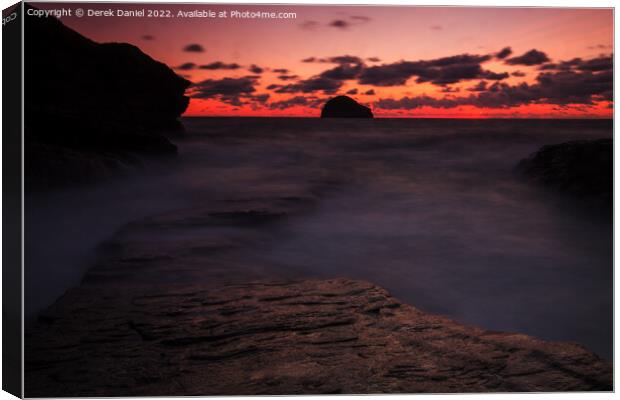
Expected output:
(345, 107)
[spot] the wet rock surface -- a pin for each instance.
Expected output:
(176, 305)
(582, 168)
(205, 244)
(283, 337)
(345, 107)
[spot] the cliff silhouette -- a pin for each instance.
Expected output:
(92, 109)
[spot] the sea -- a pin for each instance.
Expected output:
(433, 210)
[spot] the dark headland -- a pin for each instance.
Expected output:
(345, 107)
(94, 109)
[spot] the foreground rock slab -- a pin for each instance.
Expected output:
(304, 337)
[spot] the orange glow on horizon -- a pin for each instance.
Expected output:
(376, 36)
(602, 110)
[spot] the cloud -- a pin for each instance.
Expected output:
(566, 87)
(288, 77)
(295, 101)
(255, 69)
(561, 66)
(260, 98)
(349, 67)
(194, 48)
(480, 87)
(601, 63)
(346, 23)
(501, 95)
(346, 59)
(449, 89)
(340, 24)
(409, 103)
(326, 85)
(559, 88)
(458, 59)
(343, 72)
(220, 65)
(503, 53)
(440, 71)
(188, 66)
(147, 37)
(228, 90)
(309, 25)
(494, 76)
(549, 67)
(436, 28)
(600, 47)
(532, 57)
(574, 81)
(374, 59)
(314, 84)
(450, 74)
(226, 86)
(389, 74)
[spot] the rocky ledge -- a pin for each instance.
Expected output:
(582, 168)
(345, 107)
(283, 337)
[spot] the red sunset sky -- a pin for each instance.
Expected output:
(400, 61)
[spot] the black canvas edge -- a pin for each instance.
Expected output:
(12, 200)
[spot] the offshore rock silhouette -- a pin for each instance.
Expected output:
(345, 107)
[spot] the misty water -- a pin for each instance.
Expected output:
(432, 210)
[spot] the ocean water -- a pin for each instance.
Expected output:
(432, 210)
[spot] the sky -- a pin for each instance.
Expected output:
(448, 62)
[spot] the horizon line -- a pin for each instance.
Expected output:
(396, 117)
